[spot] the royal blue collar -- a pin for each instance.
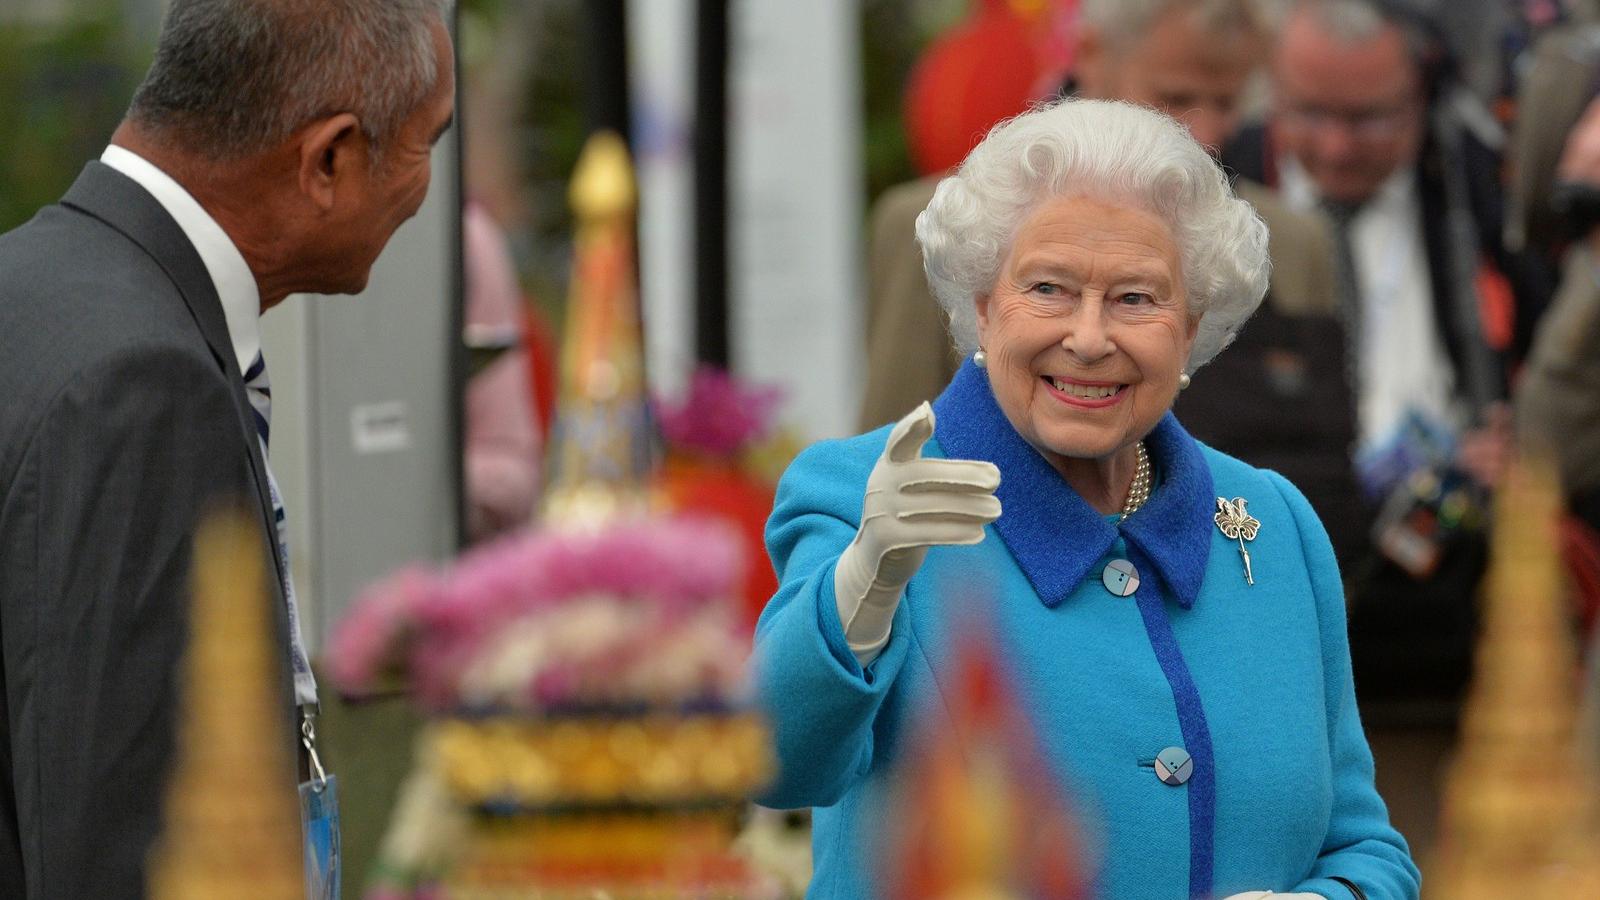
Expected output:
(1055, 536)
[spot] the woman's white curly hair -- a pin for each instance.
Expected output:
(1109, 150)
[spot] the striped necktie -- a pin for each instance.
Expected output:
(259, 389)
(1347, 285)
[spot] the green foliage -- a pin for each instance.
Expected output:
(489, 9)
(888, 51)
(893, 35)
(62, 92)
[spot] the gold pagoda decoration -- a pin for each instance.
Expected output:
(1519, 817)
(580, 766)
(232, 824)
(602, 453)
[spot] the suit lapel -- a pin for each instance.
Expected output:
(120, 202)
(117, 200)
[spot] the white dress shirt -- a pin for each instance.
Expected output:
(1401, 360)
(241, 308)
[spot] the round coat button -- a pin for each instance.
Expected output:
(1120, 577)
(1173, 766)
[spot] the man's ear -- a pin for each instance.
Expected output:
(330, 149)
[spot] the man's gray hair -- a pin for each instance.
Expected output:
(1108, 150)
(1347, 21)
(1358, 21)
(235, 77)
(1126, 21)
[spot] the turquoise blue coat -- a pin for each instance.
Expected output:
(1252, 681)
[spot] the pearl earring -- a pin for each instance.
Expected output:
(980, 358)
(1183, 380)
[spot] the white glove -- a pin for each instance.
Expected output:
(911, 504)
(1257, 895)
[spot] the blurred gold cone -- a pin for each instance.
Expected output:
(1519, 817)
(232, 824)
(602, 450)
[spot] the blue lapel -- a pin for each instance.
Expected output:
(1054, 535)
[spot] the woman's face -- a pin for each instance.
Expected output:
(1087, 327)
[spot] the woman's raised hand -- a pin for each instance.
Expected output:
(911, 504)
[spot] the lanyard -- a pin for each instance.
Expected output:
(305, 684)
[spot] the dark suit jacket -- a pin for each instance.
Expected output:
(123, 418)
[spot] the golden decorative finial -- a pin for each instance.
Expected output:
(602, 453)
(602, 184)
(1519, 804)
(232, 825)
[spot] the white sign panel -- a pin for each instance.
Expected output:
(796, 311)
(661, 70)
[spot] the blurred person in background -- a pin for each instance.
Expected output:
(1558, 398)
(503, 443)
(1089, 256)
(1368, 126)
(273, 148)
(1195, 60)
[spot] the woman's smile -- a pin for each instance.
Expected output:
(1085, 394)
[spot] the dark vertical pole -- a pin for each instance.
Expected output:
(455, 336)
(711, 182)
(606, 39)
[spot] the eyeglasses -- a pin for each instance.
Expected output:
(1373, 124)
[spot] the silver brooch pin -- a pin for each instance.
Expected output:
(1238, 525)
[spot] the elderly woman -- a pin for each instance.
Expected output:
(1198, 700)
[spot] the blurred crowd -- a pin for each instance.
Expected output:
(1434, 308)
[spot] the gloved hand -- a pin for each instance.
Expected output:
(1257, 895)
(911, 504)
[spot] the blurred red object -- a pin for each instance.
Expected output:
(721, 488)
(708, 433)
(978, 812)
(990, 67)
(1580, 548)
(543, 360)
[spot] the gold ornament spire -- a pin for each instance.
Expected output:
(602, 452)
(232, 826)
(1519, 804)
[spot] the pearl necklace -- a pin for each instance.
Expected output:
(1139, 490)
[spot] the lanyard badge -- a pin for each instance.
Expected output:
(319, 818)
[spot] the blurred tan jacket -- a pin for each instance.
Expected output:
(910, 356)
(1558, 395)
(1555, 90)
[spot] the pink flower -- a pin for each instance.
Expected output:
(373, 639)
(436, 625)
(718, 416)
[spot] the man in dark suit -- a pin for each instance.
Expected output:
(273, 148)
